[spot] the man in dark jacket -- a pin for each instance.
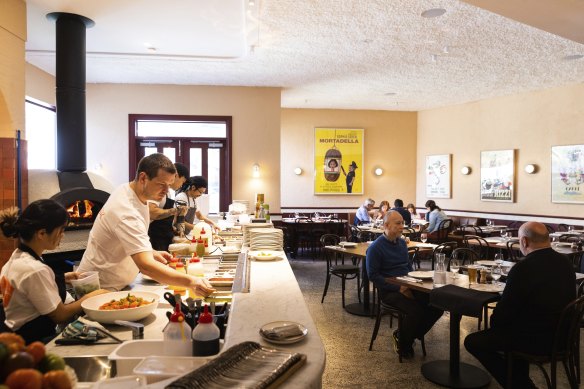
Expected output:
(525, 319)
(398, 205)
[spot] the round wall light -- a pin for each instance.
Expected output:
(378, 171)
(298, 171)
(531, 168)
(465, 170)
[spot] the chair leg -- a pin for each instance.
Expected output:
(326, 285)
(375, 329)
(423, 346)
(359, 287)
(343, 290)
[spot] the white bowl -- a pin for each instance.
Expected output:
(92, 304)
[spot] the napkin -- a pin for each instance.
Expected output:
(82, 329)
(283, 332)
(409, 279)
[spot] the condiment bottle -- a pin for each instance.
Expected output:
(176, 335)
(200, 248)
(267, 212)
(180, 267)
(195, 267)
(172, 262)
(205, 336)
(193, 246)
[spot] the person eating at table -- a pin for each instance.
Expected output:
(363, 214)
(398, 205)
(382, 210)
(434, 216)
(119, 246)
(388, 257)
(33, 297)
(525, 319)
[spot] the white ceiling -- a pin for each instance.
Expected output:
(343, 54)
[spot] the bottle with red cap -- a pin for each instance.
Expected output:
(205, 335)
(177, 341)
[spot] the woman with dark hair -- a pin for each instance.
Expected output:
(194, 188)
(33, 299)
(434, 216)
(383, 208)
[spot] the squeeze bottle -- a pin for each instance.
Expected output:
(205, 335)
(176, 335)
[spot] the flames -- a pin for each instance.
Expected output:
(81, 210)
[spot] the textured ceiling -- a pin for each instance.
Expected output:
(344, 54)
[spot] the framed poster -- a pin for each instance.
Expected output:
(568, 174)
(438, 176)
(498, 175)
(338, 161)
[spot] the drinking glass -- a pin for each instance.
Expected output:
(504, 234)
(496, 274)
(343, 240)
(499, 258)
(424, 237)
(570, 228)
(555, 241)
(489, 222)
(454, 267)
(472, 274)
(296, 215)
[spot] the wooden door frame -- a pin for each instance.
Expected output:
(226, 180)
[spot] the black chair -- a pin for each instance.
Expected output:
(550, 229)
(563, 227)
(365, 236)
(412, 233)
(441, 234)
(446, 248)
(413, 255)
(513, 250)
(387, 309)
(565, 348)
(464, 255)
(477, 244)
(335, 266)
(355, 231)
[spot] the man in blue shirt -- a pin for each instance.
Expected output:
(362, 215)
(388, 257)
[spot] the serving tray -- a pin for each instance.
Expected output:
(245, 365)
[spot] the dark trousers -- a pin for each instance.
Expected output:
(419, 319)
(490, 346)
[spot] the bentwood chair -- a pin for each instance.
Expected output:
(513, 250)
(441, 234)
(477, 244)
(565, 348)
(335, 266)
(445, 248)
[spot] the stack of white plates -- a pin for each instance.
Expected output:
(266, 239)
(245, 203)
(248, 226)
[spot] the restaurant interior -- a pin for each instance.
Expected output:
(482, 76)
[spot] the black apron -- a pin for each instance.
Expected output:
(41, 328)
(160, 231)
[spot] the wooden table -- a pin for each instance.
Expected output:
(451, 373)
(365, 308)
(307, 226)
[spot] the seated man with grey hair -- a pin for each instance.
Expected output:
(525, 319)
(363, 214)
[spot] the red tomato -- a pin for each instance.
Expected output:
(56, 379)
(37, 350)
(25, 379)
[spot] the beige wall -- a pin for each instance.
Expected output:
(40, 85)
(390, 142)
(530, 123)
(12, 38)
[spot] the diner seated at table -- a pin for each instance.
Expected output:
(413, 212)
(382, 210)
(525, 319)
(398, 205)
(364, 212)
(388, 257)
(434, 216)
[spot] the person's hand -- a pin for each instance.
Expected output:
(406, 292)
(216, 228)
(71, 275)
(201, 287)
(161, 256)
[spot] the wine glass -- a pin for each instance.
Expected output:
(496, 274)
(489, 222)
(499, 258)
(423, 237)
(555, 241)
(570, 228)
(504, 234)
(454, 267)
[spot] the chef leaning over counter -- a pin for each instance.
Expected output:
(119, 246)
(33, 298)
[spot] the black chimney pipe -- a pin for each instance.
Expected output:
(70, 82)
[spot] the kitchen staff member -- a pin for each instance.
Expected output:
(194, 188)
(119, 246)
(162, 213)
(33, 298)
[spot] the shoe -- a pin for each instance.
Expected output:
(408, 354)
(395, 338)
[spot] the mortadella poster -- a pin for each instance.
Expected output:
(338, 161)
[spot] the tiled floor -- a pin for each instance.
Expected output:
(346, 339)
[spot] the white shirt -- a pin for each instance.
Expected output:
(120, 231)
(33, 286)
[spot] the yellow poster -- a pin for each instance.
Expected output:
(338, 161)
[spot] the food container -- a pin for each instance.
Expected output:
(179, 248)
(87, 282)
(157, 368)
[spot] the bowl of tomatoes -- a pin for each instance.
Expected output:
(131, 306)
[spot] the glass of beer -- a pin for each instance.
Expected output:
(472, 274)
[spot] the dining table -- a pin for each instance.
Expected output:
(359, 250)
(460, 299)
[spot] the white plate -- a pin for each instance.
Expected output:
(495, 288)
(348, 244)
(265, 255)
(274, 324)
(423, 275)
(429, 245)
(563, 244)
(486, 263)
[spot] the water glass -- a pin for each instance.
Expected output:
(555, 241)
(496, 274)
(454, 267)
(570, 228)
(424, 237)
(499, 258)
(504, 234)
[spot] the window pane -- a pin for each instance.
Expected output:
(213, 180)
(196, 162)
(41, 137)
(150, 150)
(170, 152)
(181, 129)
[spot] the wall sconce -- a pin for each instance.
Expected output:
(465, 170)
(531, 168)
(256, 170)
(298, 171)
(378, 171)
